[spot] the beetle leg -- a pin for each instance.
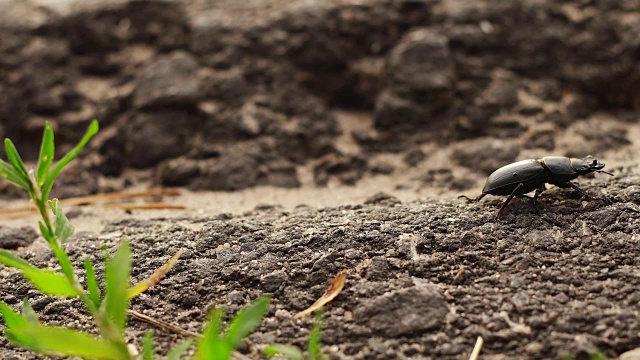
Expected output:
(473, 199)
(537, 193)
(534, 198)
(513, 193)
(576, 188)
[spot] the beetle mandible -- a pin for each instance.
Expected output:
(525, 176)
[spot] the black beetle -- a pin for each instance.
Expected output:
(526, 176)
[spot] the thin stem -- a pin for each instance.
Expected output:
(42, 208)
(106, 329)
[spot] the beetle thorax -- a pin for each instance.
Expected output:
(558, 169)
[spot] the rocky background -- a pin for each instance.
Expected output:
(212, 102)
(224, 97)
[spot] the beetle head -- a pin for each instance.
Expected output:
(584, 167)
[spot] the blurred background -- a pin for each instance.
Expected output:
(318, 102)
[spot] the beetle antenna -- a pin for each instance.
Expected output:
(602, 171)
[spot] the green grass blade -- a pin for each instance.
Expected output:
(212, 346)
(14, 157)
(47, 281)
(147, 346)
(213, 326)
(63, 228)
(48, 183)
(51, 283)
(92, 283)
(289, 351)
(47, 152)
(246, 320)
(16, 340)
(11, 260)
(11, 318)
(28, 313)
(75, 343)
(179, 350)
(215, 349)
(314, 346)
(10, 173)
(63, 260)
(46, 234)
(15, 325)
(58, 341)
(117, 273)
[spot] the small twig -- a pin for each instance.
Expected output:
(27, 210)
(476, 349)
(81, 200)
(162, 324)
(17, 214)
(119, 195)
(145, 206)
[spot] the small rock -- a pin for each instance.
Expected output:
(421, 77)
(380, 167)
(171, 80)
(393, 111)
(231, 171)
(273, 281)
(422, 62)
(502, 92)
(414, 157)
(152, 137)
(378, 270)
(282, 173)
(382, 198)
(405, 311)
(13, 238)
(178, 172)
(40, 303)
(348, 169)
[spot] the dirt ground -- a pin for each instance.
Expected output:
(309, 137)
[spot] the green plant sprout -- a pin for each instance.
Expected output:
(107, 307)
(214, 346)
(109, 312)
(314, 347)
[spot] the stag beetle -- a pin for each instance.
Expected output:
(525, 176)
